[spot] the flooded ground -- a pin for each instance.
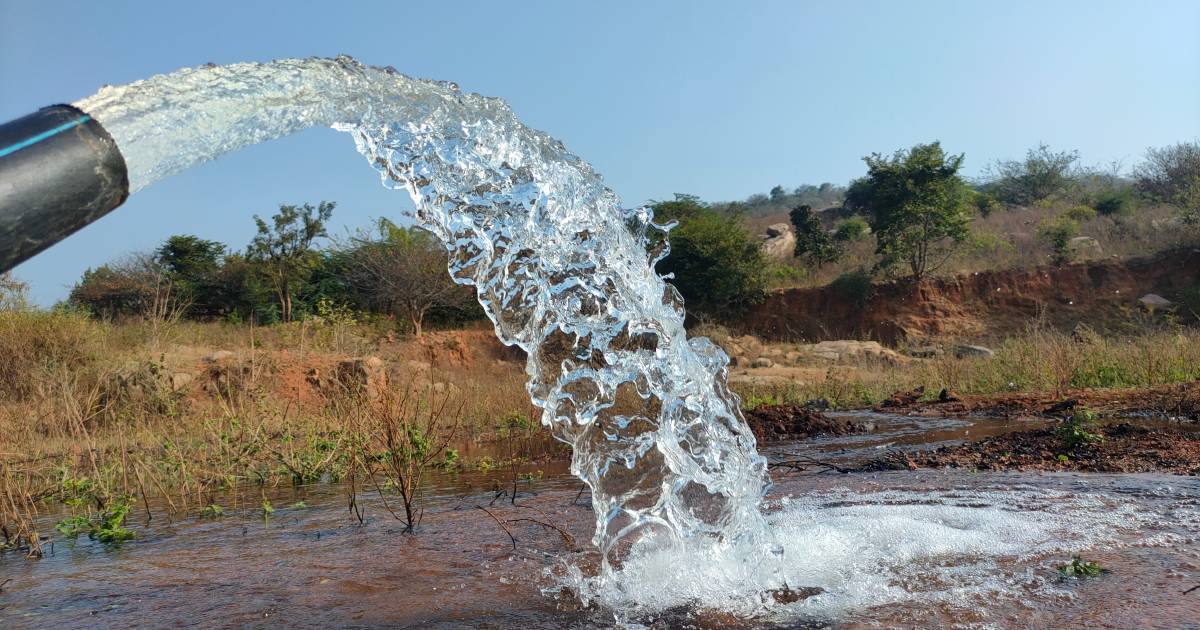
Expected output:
(926, 549)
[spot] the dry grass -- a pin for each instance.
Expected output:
(1041, 360)
(91, 415)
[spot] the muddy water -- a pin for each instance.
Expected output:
(317, 567)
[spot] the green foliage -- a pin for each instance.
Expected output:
(1114, 202)
(106, 527)
(857, 285)
(267, 509)
(299, 505)
(754, 400)
(451, 459)
(1078, 568)
(1104, 374)
(1042, 174)
(212, 511)
(1058, 233)
(1080, 213)
(284, 248)
(1076, 430)
(192, 264)
(917, 206)
(852, 230)
(986, 203)
(813, 243)
(717, 265)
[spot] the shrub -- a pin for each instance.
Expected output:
(1076, 430)
(857, 285)
(1058, 234)
(1080, 213)
(1114, 202)
(852, 230)
(33, 342)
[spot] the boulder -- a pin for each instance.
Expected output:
(1085, 246)
(853, 351)
(362, 374)
(762, 362)
(1155, 302)
(780, 242)
(980, 352)
(180, 380)
(217, 357)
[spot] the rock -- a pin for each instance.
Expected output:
(853, 351)
(925, 352)
(780, 242)
(1085, 245)
(362, 374)
(217, 357)
(947, 395)
(762, 362)
(964, 352)
(180, 380)
(1154, 302)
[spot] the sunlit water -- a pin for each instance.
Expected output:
(563, 272)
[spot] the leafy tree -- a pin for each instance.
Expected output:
(284, 248)
(1172, 175)
(137, 285)
(1041, 174)
(916, 204)
(717, 265)
(193, 264)
(813, 243)
(13, 293)
(403, 271)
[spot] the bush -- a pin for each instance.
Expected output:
(1042, 174)
(986, 203)
(857, 285)
(717, 265)
(852, 230)
(1058, 234)
(1114, 202)
(1080, 213)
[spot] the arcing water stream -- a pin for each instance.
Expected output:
(563, 271)
(559, 267)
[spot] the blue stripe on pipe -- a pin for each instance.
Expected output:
(45, 134)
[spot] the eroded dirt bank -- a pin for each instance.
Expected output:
(985, 304)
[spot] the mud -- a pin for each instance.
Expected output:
(772, 423)
(1179, 402)
(1126, 448)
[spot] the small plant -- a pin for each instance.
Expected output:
(212, 511)
(1075, 432)
(450, 460)
(108, 527)
(267, 509)
(299, 505)
(1078, 568)
(755, 400)
(1058, 234)
(1080, 213)
(1114, 202)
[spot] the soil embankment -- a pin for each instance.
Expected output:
(1123, 448)
(994, 304)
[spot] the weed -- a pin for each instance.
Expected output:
(1078, 568)
(299, 505)
(1074, 431)
(212, 511)
(267, 509)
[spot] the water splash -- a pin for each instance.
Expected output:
(559, 266)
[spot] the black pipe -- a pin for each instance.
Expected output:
(59, 171)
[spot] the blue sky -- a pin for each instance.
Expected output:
(719, 99)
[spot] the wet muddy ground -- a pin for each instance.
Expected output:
(315, 566)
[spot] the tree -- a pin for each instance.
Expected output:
(718, 266)
(403, 271)
(137, 285)
(193, 264)
(1172, 175)
(285, 248)
(1041, 174)
(916, 204)
(13, 293)
(813, 243)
